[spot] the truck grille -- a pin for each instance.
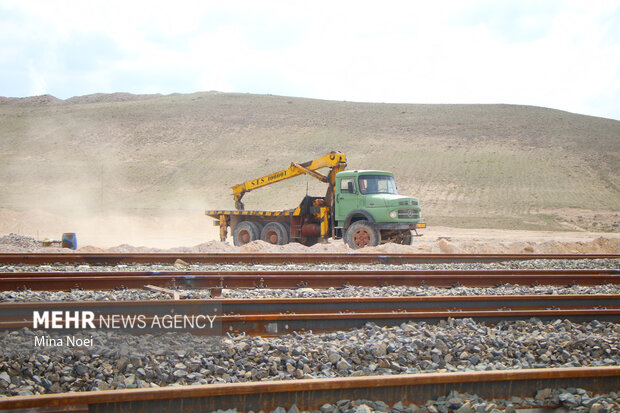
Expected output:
(408, 214)
(407, 202)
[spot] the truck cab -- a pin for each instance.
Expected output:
(369, 211)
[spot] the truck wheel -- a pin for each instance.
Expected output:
(361, 234)
(245, 232)
(274, 233)
(406, 237)
(258, 226)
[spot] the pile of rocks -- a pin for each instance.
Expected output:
(120, 360)
(19, 241)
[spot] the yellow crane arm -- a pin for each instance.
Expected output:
(335, 160)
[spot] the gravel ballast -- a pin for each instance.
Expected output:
(535, 264)
(347, 291)
(120, 360)
(565, 400)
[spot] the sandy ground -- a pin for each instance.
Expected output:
(197, 234)
(443, 239)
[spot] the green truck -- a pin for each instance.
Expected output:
(361, 207)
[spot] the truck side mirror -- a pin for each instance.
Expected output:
(350, 187)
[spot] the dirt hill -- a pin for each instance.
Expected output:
(128, 156)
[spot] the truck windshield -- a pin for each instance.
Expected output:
(377, 184)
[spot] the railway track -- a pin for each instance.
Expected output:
(270, 317)
(312, 394)
(276, 258)
(285, 315)
(59, 281)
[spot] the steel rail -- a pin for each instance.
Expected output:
(316, 305)
(275, 324)
(277, 316)
(269, 325)
(276, 258)
(313, 393)
(58, 281)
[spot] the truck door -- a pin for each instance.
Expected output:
(346, 198)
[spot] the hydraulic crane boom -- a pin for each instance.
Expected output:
(334, 160)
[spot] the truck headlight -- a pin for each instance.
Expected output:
(394, 214)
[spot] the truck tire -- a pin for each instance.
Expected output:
(407, 238)
(361, 234)
(245, 232)
(275, 233)
(258, 226)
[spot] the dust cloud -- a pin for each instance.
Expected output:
(157, 231)
(84, 178)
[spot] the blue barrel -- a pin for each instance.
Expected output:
(69, 240)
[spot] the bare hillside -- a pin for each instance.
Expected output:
(493, 166)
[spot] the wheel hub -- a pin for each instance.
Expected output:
(272, 237)
(361, 238)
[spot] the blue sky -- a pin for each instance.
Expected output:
(559, 54)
